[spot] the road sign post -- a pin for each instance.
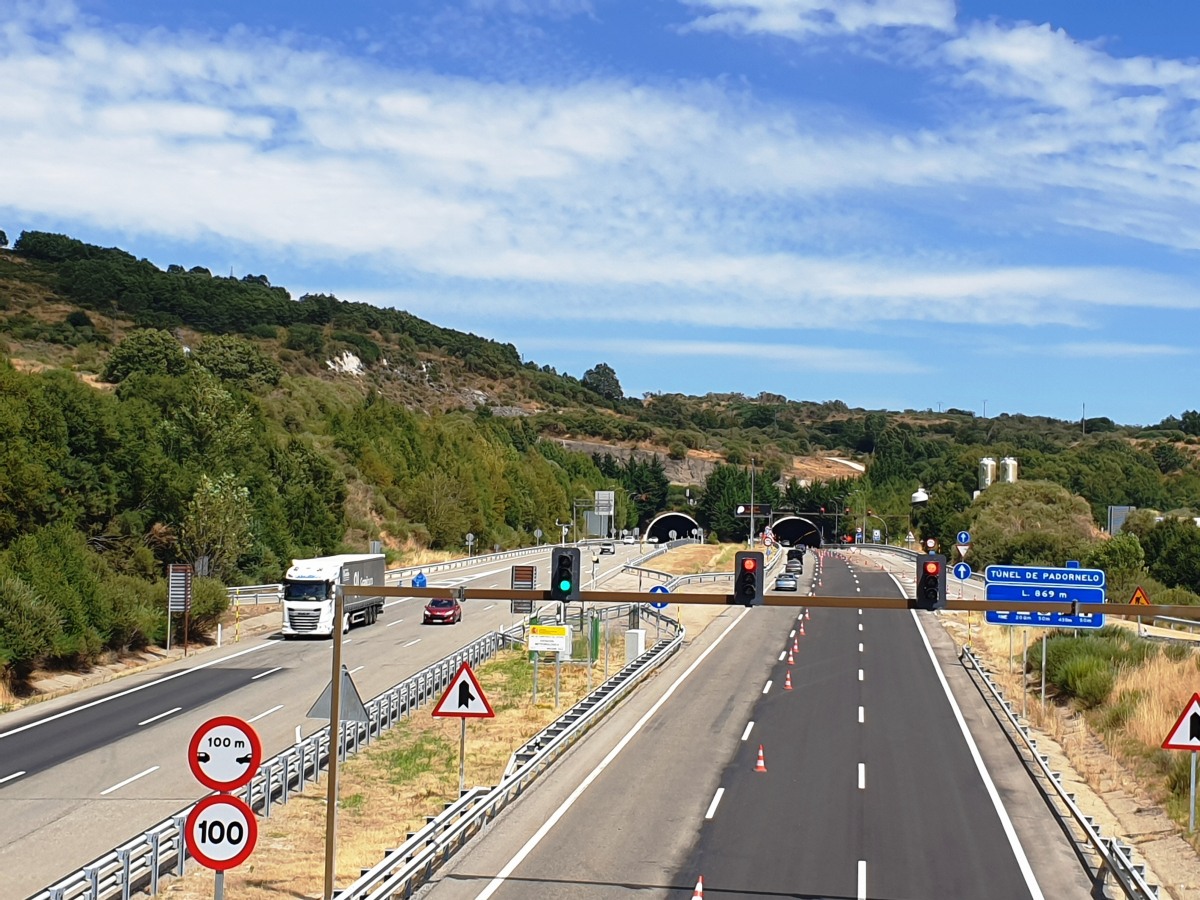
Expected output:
(464, 699)
(1185, 735)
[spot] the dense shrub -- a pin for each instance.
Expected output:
(149, 351)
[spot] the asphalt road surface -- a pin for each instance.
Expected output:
(80, 773)
(872, 787)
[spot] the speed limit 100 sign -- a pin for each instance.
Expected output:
(224, 753)
(221, 832)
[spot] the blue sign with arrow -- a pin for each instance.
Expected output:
(1029, 585)
(659, 589)
(962, 571)
(964, 537)
(419, 580)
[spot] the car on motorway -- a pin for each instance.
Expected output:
(794, 566)
(442, 611)
(608, 547)
(629, 539)
(787, 582)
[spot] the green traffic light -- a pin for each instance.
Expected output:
(564, 585)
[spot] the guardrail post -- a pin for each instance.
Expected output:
(154, 837)
(123, 858)
(180, 846)
(92, 874)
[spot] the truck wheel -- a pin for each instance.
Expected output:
(346, 623)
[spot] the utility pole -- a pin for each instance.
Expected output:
(985, 409)
(752, 503)
(1083, 421)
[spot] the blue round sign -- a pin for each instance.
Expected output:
(962, 571)
(964, 537)
(659, 589)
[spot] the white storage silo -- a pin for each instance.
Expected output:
(1008, 470)
(987, 472)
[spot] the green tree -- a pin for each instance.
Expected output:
(603, 380)
(1029, 523)
(1189, 422)
(1120, 556)
(235, 359)
(3, 239)
(149, 351)
(217, 524)
(1169, 458)
(29, 626)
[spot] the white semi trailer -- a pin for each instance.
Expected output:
(309, 590)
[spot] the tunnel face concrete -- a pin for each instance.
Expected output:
(663, 524)
(792, 531)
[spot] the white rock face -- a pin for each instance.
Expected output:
(347, 363)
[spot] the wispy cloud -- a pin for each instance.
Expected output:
(804, 18)
(1116, 349)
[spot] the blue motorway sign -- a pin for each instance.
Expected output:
(964, 537)
(659, 589)
(962, 571)
(1029, 585)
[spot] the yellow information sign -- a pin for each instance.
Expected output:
(1140, 598)
(549, 638)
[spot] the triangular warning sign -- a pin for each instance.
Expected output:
(962, 550)
(1139, 598)
(464, 699)
(1186, 733)
(351, 705)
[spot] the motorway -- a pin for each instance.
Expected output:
(885, 776)
(81, 773)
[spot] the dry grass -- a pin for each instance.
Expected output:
(1164, 687)
(388, 789)
(693, 559)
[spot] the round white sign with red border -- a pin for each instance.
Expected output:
(221, 832)
(224, 753)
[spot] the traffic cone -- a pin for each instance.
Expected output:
(796, 645)
(807, 614)
(802, 628)
(787, 684)
(698, 894)
(761, 765)
(791, 661)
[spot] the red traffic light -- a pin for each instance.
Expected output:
(749, 564)
(932, 568)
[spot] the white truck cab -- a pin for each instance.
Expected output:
(309, 591)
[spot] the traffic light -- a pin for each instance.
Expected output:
(748, 578)
(564, 573)
(931, 581)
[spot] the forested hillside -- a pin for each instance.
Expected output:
(151, 416)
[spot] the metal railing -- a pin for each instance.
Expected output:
(138, 864)
(404, 869)
(1115, 857)
(255, 594)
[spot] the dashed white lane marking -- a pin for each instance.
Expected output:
(860, 649)
(162, 715)
(859, 590)
(746, 733)
(528, 847)
(390, 624)
(347, 641)
(712, 807)
(267, 713)
(12, 776)
(266, 673)
(861, 715)
(121, 784)
(410, 643)
(860, 674)
(860, 626)
(359, 669)
(862, 776)
(401, 600)
(862, 879)
(486, 608)
(782, 655)
(767, 686)
(793, 634)
(860, 612)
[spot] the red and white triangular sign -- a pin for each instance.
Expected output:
(1186, 733)
(464, 699)
(962, 550)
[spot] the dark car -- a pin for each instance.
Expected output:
(443, 611)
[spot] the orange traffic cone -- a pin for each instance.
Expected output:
(761, 765)
(787, 684)
(698, 894)
(802, 628)
(807, 614)
(791, 659)
(796, 645)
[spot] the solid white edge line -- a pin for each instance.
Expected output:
(161, 715)
(12, 776)
(390, 624)
(746, 733)
(122, 784)
(359, 669)
(767, 686)
(266, 673)
(1005, 822)
(903, 592)
(134, 690)
(712, 807)
(862, 776)
(512, 864)
(862, 879)
(267, 713)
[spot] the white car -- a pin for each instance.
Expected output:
(607, 547)
(629, 539)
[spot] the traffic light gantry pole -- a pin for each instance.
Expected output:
(773, 599)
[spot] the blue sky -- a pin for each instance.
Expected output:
(900, 203)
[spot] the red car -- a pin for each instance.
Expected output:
(443, 611)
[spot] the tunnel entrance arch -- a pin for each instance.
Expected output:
(663, 524)
(794, 531)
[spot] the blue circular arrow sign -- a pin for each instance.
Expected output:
(659, 589)
(962, 571)
(964, 537)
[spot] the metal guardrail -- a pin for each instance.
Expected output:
(1115, 857)
(258, 593)
(404, 869)
(138, 864)
(1189, 623)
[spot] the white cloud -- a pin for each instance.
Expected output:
(1110, 349)
(605, 198)
(804, 18)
